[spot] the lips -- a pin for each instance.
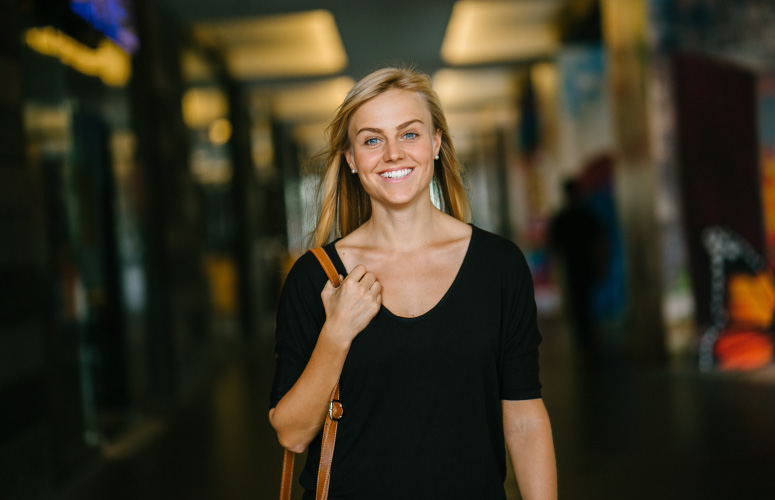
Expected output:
(396, 174)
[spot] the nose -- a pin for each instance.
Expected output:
(393, 151)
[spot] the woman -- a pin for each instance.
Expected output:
(432, 333)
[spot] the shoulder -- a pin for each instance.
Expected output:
(496, 248)
(499, 260)
(305, 274)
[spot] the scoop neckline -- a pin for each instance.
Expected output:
(340, 267)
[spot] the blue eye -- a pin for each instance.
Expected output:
(371, 141)
(410, 135)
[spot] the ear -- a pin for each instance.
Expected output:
(348, 155)
(436, 142)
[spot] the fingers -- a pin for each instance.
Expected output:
(360, 275)
(352, 305)
(357, 273)
(366, 282)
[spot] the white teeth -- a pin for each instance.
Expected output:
(396, 174)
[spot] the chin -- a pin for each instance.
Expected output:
(403, 201)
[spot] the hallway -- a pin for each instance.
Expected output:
(621, 432)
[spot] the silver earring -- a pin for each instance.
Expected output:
(436, 157)
(352, 170)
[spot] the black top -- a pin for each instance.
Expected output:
(422, 396)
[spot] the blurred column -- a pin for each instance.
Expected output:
(625, 35)
(209, 118)
(261, 243)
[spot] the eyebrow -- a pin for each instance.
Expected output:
(380, 131)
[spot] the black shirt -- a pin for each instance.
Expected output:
(422, 396)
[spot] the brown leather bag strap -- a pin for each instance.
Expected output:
(335, 412)
(328, 266)
(286, 481)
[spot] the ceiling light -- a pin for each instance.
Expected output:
(474, 88)
(500, 31)
(290, 45)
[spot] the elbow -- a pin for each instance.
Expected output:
(294, 445)
(289, 440)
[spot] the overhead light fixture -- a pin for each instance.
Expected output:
(283, 46)
(475, 88)
(481, 32)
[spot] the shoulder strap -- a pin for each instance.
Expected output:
(335, 412)
(328, 266)
(286, 481)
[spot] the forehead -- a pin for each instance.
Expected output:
(390, 109)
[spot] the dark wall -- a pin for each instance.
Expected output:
(24, 422)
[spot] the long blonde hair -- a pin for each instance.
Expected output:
(344, 204)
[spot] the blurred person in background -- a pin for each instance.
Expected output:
(432, 334)
(577, 240)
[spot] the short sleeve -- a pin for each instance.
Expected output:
(300, 317)
(521, 337)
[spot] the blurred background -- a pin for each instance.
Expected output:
(156, 184)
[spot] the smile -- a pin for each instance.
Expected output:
(396, 174)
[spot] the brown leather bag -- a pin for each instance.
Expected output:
(335, 413)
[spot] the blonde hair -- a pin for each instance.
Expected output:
(344, 204)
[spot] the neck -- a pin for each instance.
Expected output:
(403, 230)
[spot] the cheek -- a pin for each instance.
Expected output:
(367, 155)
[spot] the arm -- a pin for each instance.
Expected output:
(528, 435)
(299, 415)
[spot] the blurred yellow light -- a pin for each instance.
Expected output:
(486, 31)
(298, 44)
(475, 88)
(203, 105)
(222, 274)
(108, 62)
(220, 131)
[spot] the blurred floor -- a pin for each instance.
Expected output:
(621, 432)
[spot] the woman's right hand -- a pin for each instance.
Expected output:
(351, 306)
